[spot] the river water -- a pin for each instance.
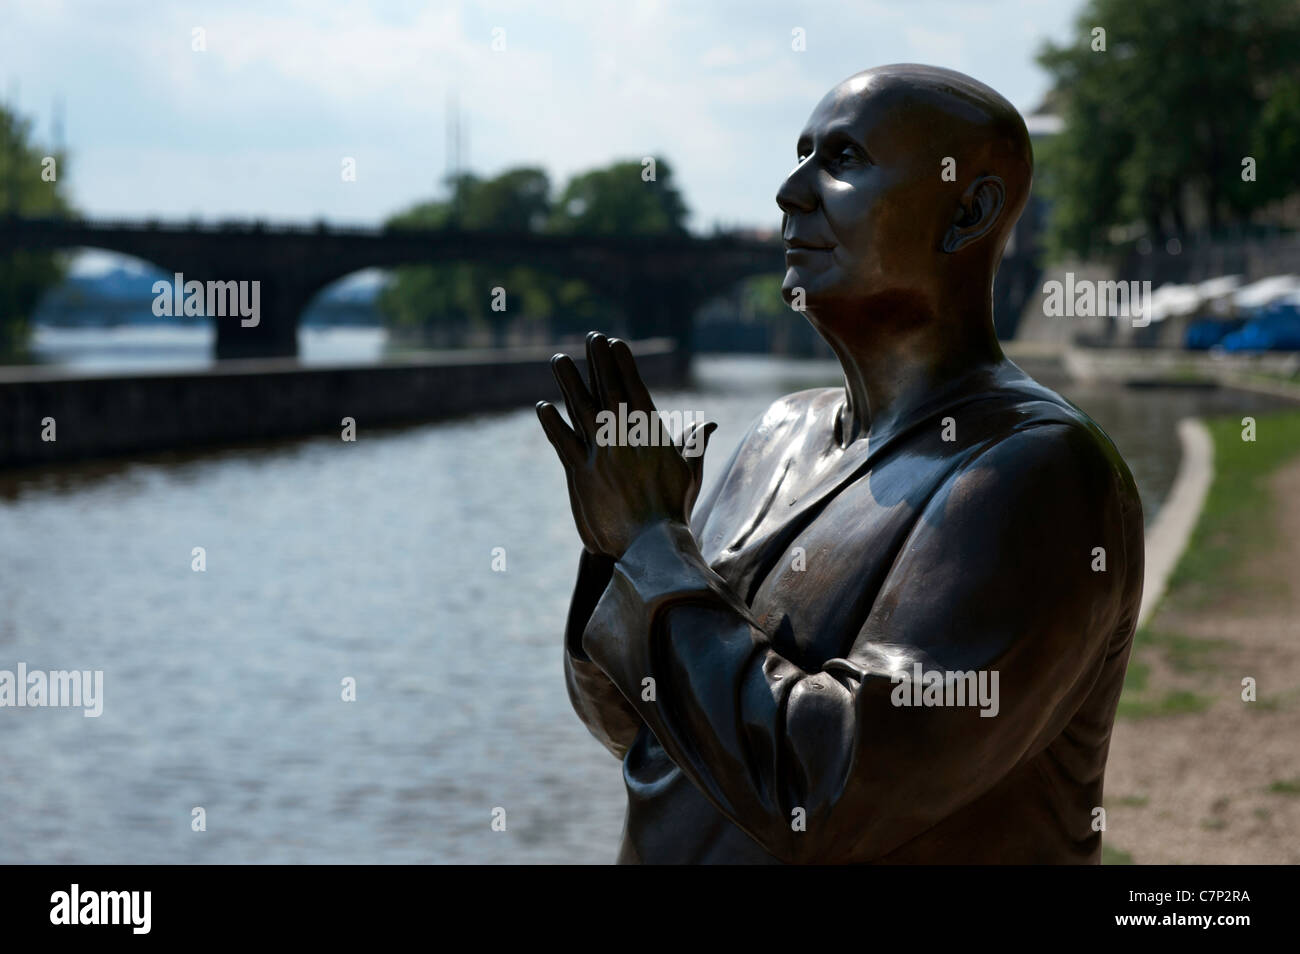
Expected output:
(328, 561)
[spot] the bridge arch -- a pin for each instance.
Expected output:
(658, 280)
(103, 314)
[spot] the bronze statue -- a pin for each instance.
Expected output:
(896, 628)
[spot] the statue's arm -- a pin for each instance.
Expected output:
(596, 700)
(997, 575)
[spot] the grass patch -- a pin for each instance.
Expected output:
(1271, 377)
(1187, 653)
(1178, 702)
(1189, 373)
(1237, 522)
(1133, 801)
(1286, 786)
(1113, 856)
(1238, 518)
(1276, 701)
(1136, 676)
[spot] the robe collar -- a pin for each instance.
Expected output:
(752, 549)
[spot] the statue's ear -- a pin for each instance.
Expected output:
(980, 209)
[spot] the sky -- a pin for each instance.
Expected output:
(257, 125)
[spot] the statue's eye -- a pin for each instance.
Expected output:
(849, 154)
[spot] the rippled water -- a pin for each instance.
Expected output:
(142, 347)
(328, 560)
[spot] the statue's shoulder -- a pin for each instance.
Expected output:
(1040, 404)
(1029, 426)
(780, 423)
(795, 410)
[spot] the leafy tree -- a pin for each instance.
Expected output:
(1277, 140)
(457, 295)
(615, 200)
(620, 200)
(517, 200)
(25, 191)
(1157, 124)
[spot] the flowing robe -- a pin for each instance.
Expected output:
(744, 669)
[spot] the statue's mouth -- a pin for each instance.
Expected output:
(796, 245)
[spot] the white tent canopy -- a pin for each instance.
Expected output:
(1171, 300)
(1266, 291)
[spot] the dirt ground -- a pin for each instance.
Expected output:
(1221, 785)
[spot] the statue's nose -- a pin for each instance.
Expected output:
(795, 194)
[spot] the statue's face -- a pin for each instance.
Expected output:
(865, 208)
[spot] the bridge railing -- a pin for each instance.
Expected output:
(228, 226)
(743, 240)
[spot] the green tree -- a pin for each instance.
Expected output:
(621, 199)
(627, 197)
(31, 184)
(1157, 124)
(615, 200)
(458, 295)
(518, 200)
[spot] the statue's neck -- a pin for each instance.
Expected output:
(884, 381)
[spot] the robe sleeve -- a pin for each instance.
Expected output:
(597, 701)
(997, 575)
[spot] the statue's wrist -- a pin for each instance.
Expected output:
(655, 533)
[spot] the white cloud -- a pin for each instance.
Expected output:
(936, 48)
(257, 125)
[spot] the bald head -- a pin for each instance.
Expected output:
(943, 112)
(909, 181)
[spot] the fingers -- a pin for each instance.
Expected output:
(582, 408)
(694, 445)
(607, 382)
(615, 380)
(564, 440)
(638, 395)
(696, 441)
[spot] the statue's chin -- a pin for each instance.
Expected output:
(806, 284)
(817, 291)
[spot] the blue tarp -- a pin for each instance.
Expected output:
(1206, 333)
(1274, 327)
